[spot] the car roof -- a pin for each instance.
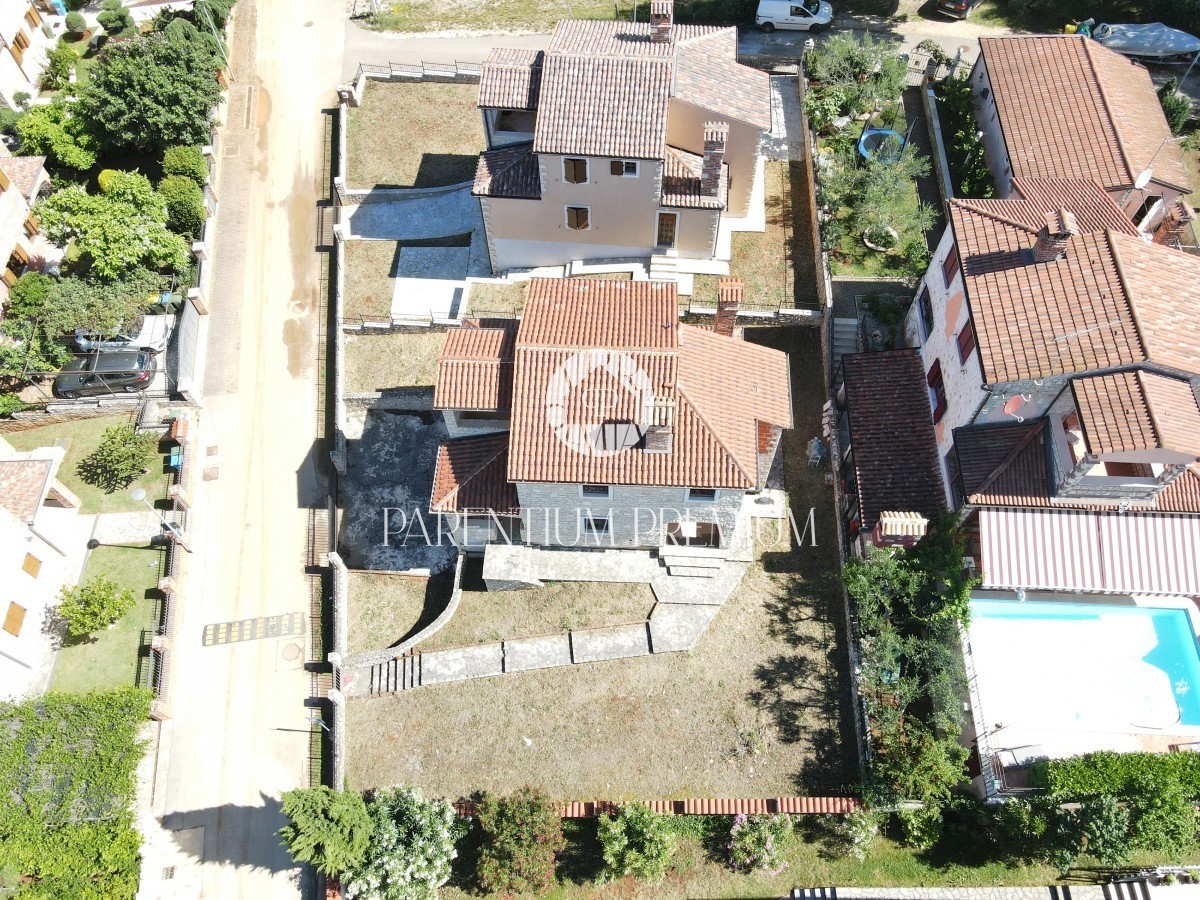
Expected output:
(117, 361)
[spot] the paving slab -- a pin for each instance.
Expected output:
(443, 666)
(130, 528)
(616, 642)
(526, 654)
(677, 626)
(624, 566)
(703, 591)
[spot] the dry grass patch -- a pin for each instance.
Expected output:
(492, 300)
(384, 609)
(368, 282)
(377, 362)
(413, 134)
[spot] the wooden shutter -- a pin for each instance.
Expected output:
(966, 343)
(950, 265)
(575, 170)
(616, 167)
(33, 17)
(31, 225)
(32, 565)
(4, 182)
(14, 619)
(577, 217)
(937, 391)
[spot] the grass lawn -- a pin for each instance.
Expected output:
(421, 134)
(758, 708)
(515, 15)
(81, 437)
(111, 659)
(497, 300)
(384, 609)
(368, 281)
(376, 362)
(1191, 159)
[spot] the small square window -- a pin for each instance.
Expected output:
(625, 168)
(578, 218)
(32, 565)
(706, 495)
(596, 490)
(575, 171)
(595, 526)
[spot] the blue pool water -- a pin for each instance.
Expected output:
(1176, 653)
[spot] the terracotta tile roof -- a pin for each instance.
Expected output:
(1070, 107)
(592, 352)
(510, 172)
(587, 37)
(1130, 411)
(23, 172)
(1165, 287)
(896, 464)
(721, 84)
(470, 476)
(681, 182)
(511, 79)
(23, 484)
(1174, 410)
(475, 368)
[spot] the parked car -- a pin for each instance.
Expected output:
(105, 372)
(802, 15)
(153, 336)
(958, 9)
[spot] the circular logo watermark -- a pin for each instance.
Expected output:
(599, 434)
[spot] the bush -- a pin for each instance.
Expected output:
(76, 5)
(921, 828)
(59, 63)
(76, 24)
(90, 607)
(1105, 827)
(57, 131)
(1108, 772)
(186, 161)
(854, 833)
(1176, 107)
(119, 459)
(9, 404)
(185, 205)
(756, 843)
(27, 298)
(327, 828)
(116, 19)
(964, 147)
(1164, 820)
(410, 851)
(522, 836)
(636, 841)
(22, 98)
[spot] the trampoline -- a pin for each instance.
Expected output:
(873, 141)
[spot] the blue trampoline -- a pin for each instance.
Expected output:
(873, 141)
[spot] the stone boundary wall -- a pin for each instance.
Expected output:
(586, 809)
(941, 164)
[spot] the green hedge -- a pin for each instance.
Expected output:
(1112, 773)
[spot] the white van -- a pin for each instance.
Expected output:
(800, 15)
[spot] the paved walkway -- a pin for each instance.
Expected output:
(128, 528)
(786, 140)
(1066, 892)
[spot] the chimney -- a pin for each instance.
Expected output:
(662, 17)
(1055, 236)
(729, 297)
(716, 134)
(1175, 224)
(659, 423)
(899, 529)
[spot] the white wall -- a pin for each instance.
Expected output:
(994, 150)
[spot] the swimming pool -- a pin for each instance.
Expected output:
(1086, 666)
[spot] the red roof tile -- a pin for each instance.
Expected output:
(511, 79)
(681, 182)
(470, 476)
(510, 172)
(475, 368)
(23, 484)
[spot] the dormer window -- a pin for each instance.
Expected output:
(575, 170)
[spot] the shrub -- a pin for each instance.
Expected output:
(22, 98)
(1164, 820)
(185, 205)
(27, 297)
(522, 836)
(327, 828)
(1176, 107)
(56, 130)
(921, 828)
(119, 459)
(410, 851)
(116, 19)
(1104, 824)
(636, 841)
(76, 24)
(76, 5)
(855, 833)
(756, 843)
(59, 63)
(88, 608)
(1108, 772)
(9, 404)
(187, 161)
(105, 180)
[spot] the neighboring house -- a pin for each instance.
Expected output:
(624, 427)
(1065, 106)
(43, 543)
(622, 140)
(23, 48)
(22, 178)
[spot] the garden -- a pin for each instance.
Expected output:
(123, 149)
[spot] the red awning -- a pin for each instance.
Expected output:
(1111, 553)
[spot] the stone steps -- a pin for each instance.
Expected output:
(693, 571)
(400, 673)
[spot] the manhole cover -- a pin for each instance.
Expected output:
(291, 652)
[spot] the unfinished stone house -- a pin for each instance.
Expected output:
(602, 422)
(623, 140)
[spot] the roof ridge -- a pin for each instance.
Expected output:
(968, 204)
(503, 448)
(1130, 302)
(1108, 111)
(1158, 432)
(681, 391)
(1008, 460)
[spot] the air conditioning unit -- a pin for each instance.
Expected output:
(968, 564)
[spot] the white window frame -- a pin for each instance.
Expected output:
(567, 220)
(586, 526)
(607, 495)
(625, 164)
(587, 169)
(691, 499)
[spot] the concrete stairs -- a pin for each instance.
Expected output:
(691, 565)
(845, 340)
(400, 673)
(1133, 889)
(664, 266)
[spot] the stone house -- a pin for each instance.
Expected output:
(605, 423)
(1065, 106)
(622, 140)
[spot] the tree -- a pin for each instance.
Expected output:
(185, 205)
(1104, 824)
(76, 23)
(90, 607)
(186, 161)
(946, 593)
(411, 848)
(522, 835)
(327, 828)
(151, 92)
(116, 19)
(1176, 107)
(59, 131)
(636, 841)
(119, 459)
(59, 63)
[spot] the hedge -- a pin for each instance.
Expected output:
(1107, 772)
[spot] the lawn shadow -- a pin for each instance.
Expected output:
(583, 858)
(445, 169)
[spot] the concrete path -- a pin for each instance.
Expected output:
(786, 140)
(411, 216)
(128, 528)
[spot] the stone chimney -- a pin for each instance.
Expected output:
(716, 135)
(729, 298)
(662, 17)
(659, 418)
(1055, 236)
(1176, 224)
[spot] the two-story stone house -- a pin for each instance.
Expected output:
(621, 140)
(624, 429)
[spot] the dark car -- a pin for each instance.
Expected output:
(105, 372)
(958, 9)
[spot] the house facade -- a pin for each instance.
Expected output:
(1066, 107)
(621, 430)
(23, 48)
(621, 140)
(22, 179)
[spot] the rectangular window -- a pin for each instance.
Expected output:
(14, 619)
(625, 168)
(953, 478)
(578, 218)
(595, 526)
(937, 391)
(31, 225)
(596, 490)
(925, 311)
(32, 17)
(966, 343)
(575, 170)
(705, 495)
(950, 265)
(1145, 209)
(32, 565)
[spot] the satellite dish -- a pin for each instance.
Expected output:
(1143, 178)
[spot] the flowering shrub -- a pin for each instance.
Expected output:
(637, 841)
(855, 832)
(756, 842)
(522, 835)
(410, 851)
